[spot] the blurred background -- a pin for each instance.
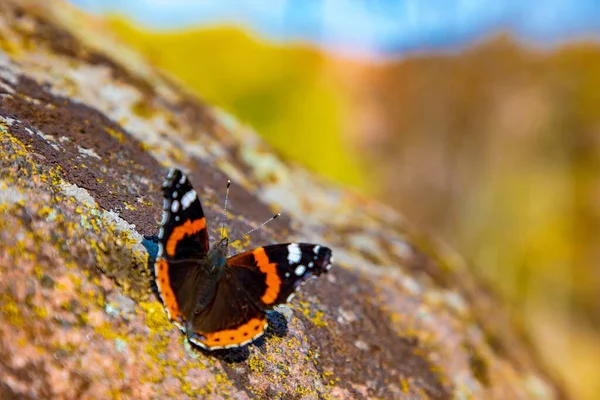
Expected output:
(478, 120)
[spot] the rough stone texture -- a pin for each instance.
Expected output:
(87, 133)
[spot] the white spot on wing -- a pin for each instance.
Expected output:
(290, 297)
(287, 274)
(294, 253)
(165, 218)
(316, 249)
(311, 264)
(165, 204)
(174, 195)
(161, 232)
(175, 206)
(188, 199)
(300, 269)
(183, 179)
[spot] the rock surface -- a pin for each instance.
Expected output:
(87, 134)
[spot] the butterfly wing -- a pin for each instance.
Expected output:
(234, 318)
(183, 227)
(183, 243)
(253, 282)
(273, 273)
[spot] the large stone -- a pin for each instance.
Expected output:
(87, 134)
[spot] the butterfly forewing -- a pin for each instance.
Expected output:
(183, 243)
(281, 268)
(183, 227)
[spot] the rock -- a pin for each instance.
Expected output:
(87, 134)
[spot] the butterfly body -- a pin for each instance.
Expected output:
(220, 301)
(216, 259)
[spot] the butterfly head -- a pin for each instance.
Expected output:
(217, 255)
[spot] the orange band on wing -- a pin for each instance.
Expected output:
(270, 269)
(181, 231)
(242, 334)
(166, 293)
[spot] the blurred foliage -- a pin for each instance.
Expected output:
(496, 149)
(285, 93)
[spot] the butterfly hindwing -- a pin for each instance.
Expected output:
(234, 317)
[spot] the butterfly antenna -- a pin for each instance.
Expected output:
(225, 209)
(256, 228)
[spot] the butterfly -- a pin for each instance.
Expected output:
(220, 301)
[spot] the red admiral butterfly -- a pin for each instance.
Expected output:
(220, 302)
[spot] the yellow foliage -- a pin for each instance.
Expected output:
(284, 92)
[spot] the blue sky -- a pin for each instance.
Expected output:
(387, 27)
